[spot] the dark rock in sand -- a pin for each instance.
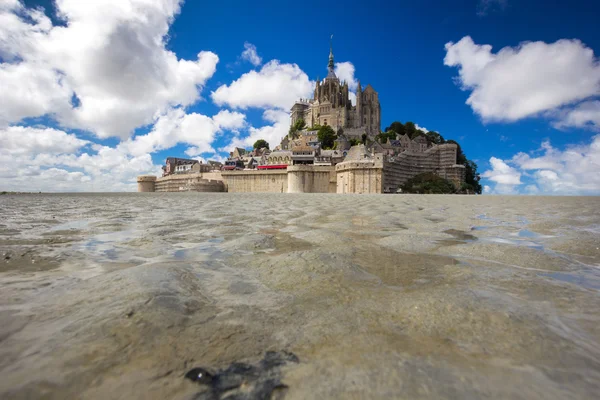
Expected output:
(244, 381)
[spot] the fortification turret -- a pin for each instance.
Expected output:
(146, 183)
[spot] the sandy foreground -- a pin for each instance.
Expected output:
(383, 296)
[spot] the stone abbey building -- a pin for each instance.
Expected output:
(331, 105)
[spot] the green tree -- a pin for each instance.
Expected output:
(261, 143)
(300, 124)
(410, 129)
(354, 142)
(326, 136)
(382, 138)
(428, 183)
(397, 127)
(297, 127)
(472, 177)
(435, 137)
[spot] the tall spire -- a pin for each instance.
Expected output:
(330, 66)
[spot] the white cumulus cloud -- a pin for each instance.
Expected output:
(249, 54)
(535, 78)
(570, 171)
(584, 115)
(19, 140)
(45, 159)
(502, 173)
(574, 170)
(421, 128)
(105, 70)
(276, 85)
(193, 129)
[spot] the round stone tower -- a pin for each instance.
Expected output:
(146, 183)
(299, 179)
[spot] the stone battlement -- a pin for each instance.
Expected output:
(146, 178)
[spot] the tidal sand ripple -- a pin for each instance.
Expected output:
(398, 296)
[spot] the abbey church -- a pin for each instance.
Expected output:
(331, 105)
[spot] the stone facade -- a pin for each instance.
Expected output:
(331, 106)
(283, 157)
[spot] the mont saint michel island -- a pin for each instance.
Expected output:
(332, 146)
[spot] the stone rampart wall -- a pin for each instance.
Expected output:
(272, 181)
(188, 183)
(332, 181)
(455, 174)
(309, 179)
(212, 175)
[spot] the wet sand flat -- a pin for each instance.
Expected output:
(376, 296)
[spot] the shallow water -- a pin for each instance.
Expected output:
(395, 296)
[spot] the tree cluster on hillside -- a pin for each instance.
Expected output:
(411, 130)
(472, 177)
(428, 183)
(261, 143)
(297, 127)
(326, 136)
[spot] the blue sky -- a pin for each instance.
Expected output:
(531, 124)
